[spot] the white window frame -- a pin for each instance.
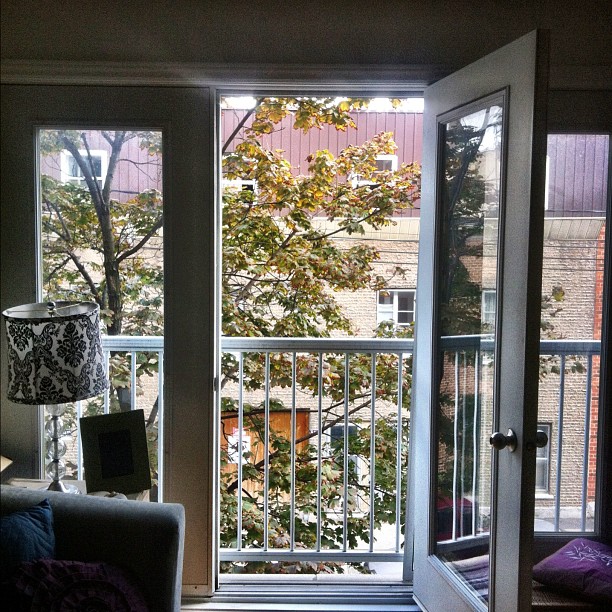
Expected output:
(241, 184)
(233, 441)
(66, 157)
(486, 312)
(547, 187)
(391, 157)
(357, 182)
(382, 313)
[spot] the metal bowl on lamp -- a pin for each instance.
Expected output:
(54, 357)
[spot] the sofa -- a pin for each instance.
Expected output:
(144, 539)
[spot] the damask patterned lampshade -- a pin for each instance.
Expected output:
(54, 352)
(55, 357)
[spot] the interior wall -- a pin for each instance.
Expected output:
(448, 33)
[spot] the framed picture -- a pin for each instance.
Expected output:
(115, 453)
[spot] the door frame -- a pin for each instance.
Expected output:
(183, 115)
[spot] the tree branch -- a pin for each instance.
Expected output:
(83, 271)
(142, 242)
(66, 236)
(240, 125)
(245, 291)
(56, 269)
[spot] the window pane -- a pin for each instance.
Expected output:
(405, 302)
(311, 257)
(572, 306)
(101, 237)
(543, 462)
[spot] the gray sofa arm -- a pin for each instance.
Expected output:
(145, 538)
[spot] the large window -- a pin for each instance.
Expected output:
(102, 242)
(571, 330)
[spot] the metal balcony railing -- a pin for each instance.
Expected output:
(130, 347)
(559, 356)
(316, 355)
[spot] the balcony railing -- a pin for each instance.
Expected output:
(571, 372)
(130, 347)
(574, 366)
(315, 354)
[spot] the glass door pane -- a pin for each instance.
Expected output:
(469, 243)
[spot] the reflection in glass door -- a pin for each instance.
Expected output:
(471, 146)
(101, 217)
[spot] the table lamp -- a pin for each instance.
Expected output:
(54, 357)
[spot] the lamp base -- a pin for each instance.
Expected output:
(62, 487)
(56, 449)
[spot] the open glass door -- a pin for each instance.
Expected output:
(477, 333)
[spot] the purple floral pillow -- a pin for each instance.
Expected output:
(582, 567)
(68, 586)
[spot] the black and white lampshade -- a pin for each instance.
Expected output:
(54, 357)
(54, 353)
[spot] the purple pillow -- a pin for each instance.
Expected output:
(582, 567)
(68, 586)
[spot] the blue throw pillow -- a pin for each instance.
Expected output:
(26, 535)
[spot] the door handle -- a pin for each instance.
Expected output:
(500, 441)
(541, 438)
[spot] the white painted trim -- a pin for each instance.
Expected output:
(376, 78)
(384, 78)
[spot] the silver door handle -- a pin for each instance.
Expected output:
(500, 441)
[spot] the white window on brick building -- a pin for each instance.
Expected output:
(233, 444)
(396, 305)
(488, 310)
(336, 440)
(72, 173)
(384, 163)
(240, 184)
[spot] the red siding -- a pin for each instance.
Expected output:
(407, 127)
(577, 162)
(136, 172)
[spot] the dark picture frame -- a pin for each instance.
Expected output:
(115, 452)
